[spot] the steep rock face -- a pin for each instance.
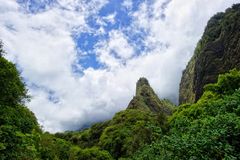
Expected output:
(217, 52)
(146, 99)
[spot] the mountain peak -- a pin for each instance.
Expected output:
(140, 84)
(147, 99)
(142, 81)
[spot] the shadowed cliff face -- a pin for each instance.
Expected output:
(217, 52)
(146, 99)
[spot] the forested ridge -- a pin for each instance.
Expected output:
(150, 128)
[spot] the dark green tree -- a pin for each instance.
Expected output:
(12, 89)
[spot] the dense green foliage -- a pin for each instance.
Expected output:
(18, 116)
(18, 126)
(93, 153)
(121, 136)
(209, 129)
(16, 145)
(12, 90)
(85, 138)
(128, 131)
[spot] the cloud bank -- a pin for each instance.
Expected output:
(81, 59)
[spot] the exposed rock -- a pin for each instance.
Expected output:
(217, 52)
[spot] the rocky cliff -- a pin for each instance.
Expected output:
(217, 52)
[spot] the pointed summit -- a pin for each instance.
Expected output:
(146, 99)
(141, 83)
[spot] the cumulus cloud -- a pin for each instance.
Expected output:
(43, 46)
(128, 4)
(110, 18)
(114, 51)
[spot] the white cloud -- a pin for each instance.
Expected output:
(128, 4)
(42, 46)
(110, 18)
(115, 51)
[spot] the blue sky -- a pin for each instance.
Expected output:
(80, 59)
